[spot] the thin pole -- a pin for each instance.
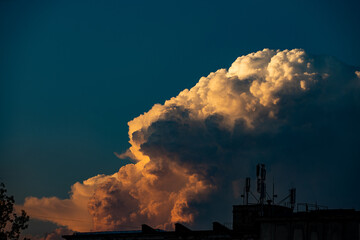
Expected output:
(273, 190)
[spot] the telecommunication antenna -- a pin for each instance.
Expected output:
(261, 187)
(292, 198)
(273, 193)
(247, 190)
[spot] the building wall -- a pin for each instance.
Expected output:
(310, 230)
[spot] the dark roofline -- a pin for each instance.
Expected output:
(147, 230)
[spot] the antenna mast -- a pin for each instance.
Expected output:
(247, 190)
(261, 187)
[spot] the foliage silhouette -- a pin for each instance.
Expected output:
(11, 224)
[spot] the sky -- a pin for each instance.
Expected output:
(74, 73)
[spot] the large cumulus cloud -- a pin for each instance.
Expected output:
(296, 112)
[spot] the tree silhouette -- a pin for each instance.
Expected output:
(11, 224)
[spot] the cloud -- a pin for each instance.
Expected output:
(54, 235)
(296, 112)
(57, 234)
(72, 212)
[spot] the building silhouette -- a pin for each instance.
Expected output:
(263, 220)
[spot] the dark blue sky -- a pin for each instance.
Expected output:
(73, 73)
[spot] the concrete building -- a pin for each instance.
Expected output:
(273, 222)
